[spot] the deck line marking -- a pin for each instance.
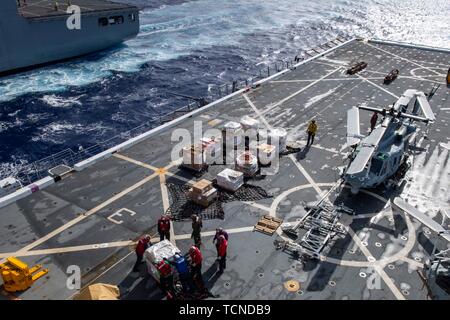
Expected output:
(400, 57)
(85, 215)
(211, 233)
(376, 267)
(259, 114)
(421, 78)
(257, 205)
(101, 274)
(270, 107)
(445, 109)
(306, 175)
(166, 204)
(148, 166)
(412, 262)
(379, 87)
(389, 282)
(139, 163)
(87, 247)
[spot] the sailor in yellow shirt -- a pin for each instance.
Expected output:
(312, 129)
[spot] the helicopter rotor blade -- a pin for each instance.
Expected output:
(359, 163)
(353, 127)
(425, 106)
(369, 145)
(423, 218)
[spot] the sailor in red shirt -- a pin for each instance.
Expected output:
(196, 263)
(164, 227)
(141, 246)
(222, 252)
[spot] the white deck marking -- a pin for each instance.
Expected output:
(421, 78)
(400, 57)
(412, 262)
(445, 109)
(118, 213)
(258, 113)
(306, 175)
(258, 205)
(379, 87)
(101, 274)
(211, 233)
(85, 215)
(377, 268)
(270, 107)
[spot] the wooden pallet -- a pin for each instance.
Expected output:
(268, 224)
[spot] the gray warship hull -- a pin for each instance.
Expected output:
(36, 34)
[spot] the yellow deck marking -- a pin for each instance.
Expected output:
(379, 87)
(85, 215)
(139, 163)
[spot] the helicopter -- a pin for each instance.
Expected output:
(377, 157)
(439, 263)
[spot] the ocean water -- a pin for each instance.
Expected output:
(185, 47)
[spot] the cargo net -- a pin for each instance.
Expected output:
(182, 207)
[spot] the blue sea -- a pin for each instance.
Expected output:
(186, 47)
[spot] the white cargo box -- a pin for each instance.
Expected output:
(156, 253)
(247, 163)
(249, 123)
(230, 179)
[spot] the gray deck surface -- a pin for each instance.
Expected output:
(392, 246)
(45, 8)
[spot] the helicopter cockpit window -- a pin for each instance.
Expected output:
(376, 165)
